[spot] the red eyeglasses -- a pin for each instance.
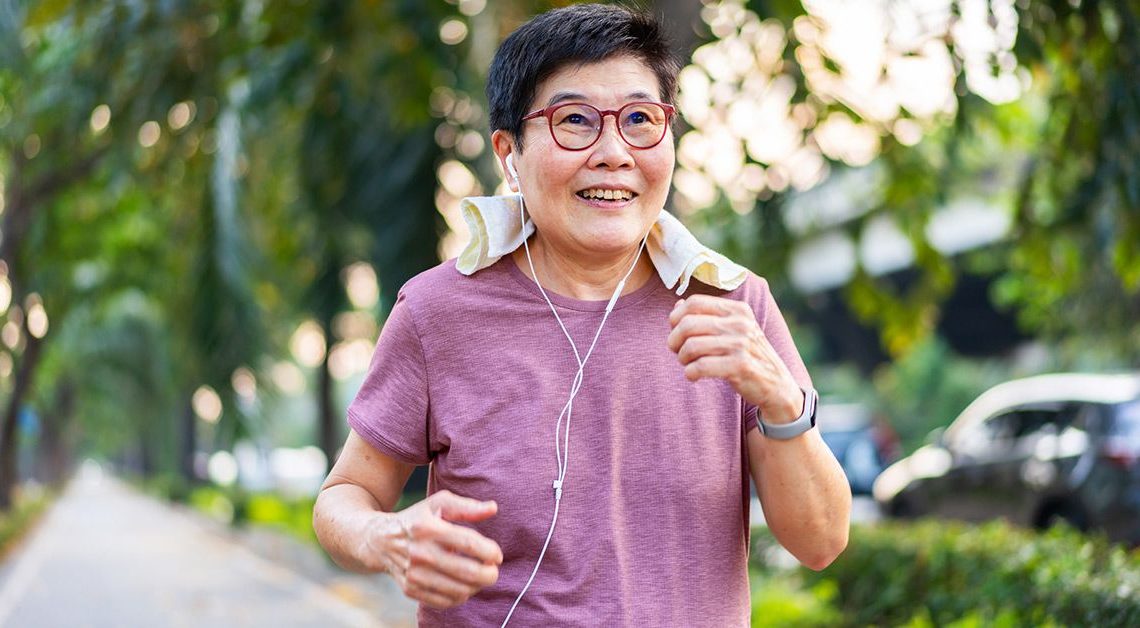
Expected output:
(577, 126)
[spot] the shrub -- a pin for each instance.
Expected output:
(782, 600)
(936, 573)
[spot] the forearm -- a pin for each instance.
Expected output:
(804, 493)
(349, 522)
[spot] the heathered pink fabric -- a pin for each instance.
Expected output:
(470, 373)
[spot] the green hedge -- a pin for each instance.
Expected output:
(938, 573)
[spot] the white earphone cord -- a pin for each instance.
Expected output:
(562, 450)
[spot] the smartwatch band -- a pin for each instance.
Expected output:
(806, 420)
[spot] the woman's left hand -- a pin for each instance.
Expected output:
(717, 337)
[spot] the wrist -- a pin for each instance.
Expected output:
(800, 424)
(786, 410)
(376, 550)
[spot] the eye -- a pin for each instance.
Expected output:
(637, 117)
(574, 116)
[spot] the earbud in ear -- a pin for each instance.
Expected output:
(511, 168)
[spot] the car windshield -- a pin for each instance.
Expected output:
(839, 441)
(1127, 423)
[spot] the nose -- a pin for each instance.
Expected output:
(610, 151)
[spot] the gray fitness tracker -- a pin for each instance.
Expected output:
(805, 422)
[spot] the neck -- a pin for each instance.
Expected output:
(590, 279)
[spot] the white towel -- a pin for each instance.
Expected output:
(497, 229)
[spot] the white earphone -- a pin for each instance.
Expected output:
(511, 170)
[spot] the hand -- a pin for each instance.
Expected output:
(717, 337)
(433, 560)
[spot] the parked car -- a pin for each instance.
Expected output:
(857, 442)
(1032, 451)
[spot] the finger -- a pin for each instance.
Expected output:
(697, 347)
(431, 598)
(434, 557)
(718, 306)
(694, 325)
(425, 577)
(718, 366)
(677, 312)
(454, 507)
(463, 540)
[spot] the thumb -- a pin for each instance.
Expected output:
(452, 507)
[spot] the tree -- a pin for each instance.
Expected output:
(85, 89)
(1030, 108)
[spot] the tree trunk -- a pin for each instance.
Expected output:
(9, 433)
(329, 436)
(54, 456)
(188, 444)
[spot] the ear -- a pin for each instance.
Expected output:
(504, 145)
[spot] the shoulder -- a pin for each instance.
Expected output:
(437, 279)
(443, 286)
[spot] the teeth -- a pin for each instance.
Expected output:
(609, 195)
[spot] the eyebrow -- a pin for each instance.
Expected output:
(577, 97)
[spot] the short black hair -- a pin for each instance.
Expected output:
(578, 34)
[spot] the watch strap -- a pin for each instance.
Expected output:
(806, 420)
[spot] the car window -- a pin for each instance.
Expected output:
(1006, 430)
(1127, 423)
(1035, 421)
(993, 433)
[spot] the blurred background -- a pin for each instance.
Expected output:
(207, 208)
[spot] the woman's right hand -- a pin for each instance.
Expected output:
(434, 560)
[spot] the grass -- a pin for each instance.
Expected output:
(30, 503)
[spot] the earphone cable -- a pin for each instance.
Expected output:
(562, 450)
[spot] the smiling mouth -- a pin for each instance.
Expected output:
(600, 194)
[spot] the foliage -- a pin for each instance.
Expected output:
(293, 516)
(26, 510)
(1029, 110)
(936, 573)
(199, 175)
(928, 387)
(782, 601)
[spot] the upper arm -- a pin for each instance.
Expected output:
(361, 464)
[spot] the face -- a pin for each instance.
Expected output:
(565, 190)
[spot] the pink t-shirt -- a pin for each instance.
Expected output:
(470, 374)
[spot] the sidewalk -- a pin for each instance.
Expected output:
(106, 555)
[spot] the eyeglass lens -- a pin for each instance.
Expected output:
(578, 125)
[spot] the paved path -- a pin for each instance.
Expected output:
(106, 555)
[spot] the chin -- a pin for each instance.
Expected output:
(616, 244)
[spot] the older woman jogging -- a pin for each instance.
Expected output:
(592, 388)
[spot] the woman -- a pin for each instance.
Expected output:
(639, 514)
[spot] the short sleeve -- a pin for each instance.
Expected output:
(391, 409)
(776, 331)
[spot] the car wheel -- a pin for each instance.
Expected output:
(1069, 515)
(901, 508)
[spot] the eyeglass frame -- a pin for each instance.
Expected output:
(548, 113)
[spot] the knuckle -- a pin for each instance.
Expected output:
(417, 556)
(416, 528)
(414, 578)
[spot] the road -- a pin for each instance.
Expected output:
(106, 555)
